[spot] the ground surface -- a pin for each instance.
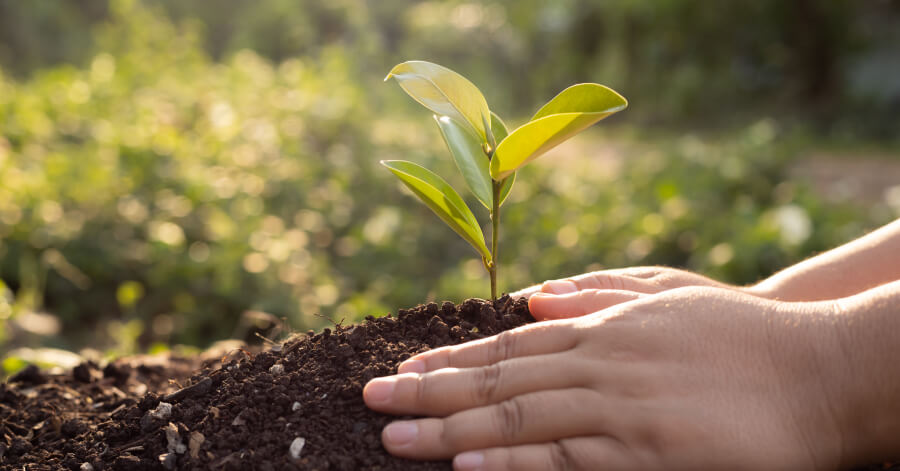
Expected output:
(297, 405)
(245, 412)
(865, 179)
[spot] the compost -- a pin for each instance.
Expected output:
(294, 405)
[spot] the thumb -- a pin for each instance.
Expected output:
(545, 306)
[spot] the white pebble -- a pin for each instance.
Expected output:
(86, 467)
(277, 369)
(175, 445)
(297, 447)
(296, 406)
(162, 412)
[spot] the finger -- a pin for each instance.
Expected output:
(532, 339)
(449, 390)
(598, 452)
(546, 307)
(607, 280)
(529, 418)
(527, 292)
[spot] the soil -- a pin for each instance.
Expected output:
(247, 411)
(295, 405)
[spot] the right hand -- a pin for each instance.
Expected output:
(693, 378)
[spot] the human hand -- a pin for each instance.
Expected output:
(598, 290)
(696, 378)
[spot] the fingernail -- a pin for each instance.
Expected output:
(401, 433)
(468, 461)
(559, 287)
(380, 390)
(411, 366)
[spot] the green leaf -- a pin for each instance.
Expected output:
(507, 186)
(442, 199)
(469, 157)
(572, 111)
(444, 92)
(498, 127)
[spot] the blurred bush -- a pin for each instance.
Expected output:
(186, 179)
(684, 58)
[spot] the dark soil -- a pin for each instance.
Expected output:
(241, 411)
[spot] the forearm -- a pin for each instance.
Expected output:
(867, 262)
(866, 373)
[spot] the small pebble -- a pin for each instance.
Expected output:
(86, 467)
(277, 369)
(195, 442)
(297, 447)
(162, 412)
(175, 445)
(296, 406)
(238, 421)
(167, 460)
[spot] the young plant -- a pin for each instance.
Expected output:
(486, 154)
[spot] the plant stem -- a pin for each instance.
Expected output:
(495, 230)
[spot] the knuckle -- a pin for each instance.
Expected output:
(487, 383)
(423, 390)
(561, 458)
(610, 281)
(510, 420)
(503, 347)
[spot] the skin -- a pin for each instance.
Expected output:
(644, 374)
(862, 264)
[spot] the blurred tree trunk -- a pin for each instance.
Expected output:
(817, 35)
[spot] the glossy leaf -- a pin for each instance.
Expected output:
(442, 199)
(444, 92)
(498, 127)
(572, 111)
(470, 159)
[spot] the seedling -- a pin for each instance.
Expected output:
(486, 154)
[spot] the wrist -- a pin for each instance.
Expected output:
(863, 375)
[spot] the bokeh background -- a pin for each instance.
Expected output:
(173, 173)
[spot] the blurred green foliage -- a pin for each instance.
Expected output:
(684, 58)
(180, 170)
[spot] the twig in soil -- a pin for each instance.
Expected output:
(336, 324)
(265, 339)
(200, 388)
(227, 356)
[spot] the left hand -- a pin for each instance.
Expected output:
(591, 292)
(694, 378)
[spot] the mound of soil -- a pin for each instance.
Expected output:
(297, 405)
